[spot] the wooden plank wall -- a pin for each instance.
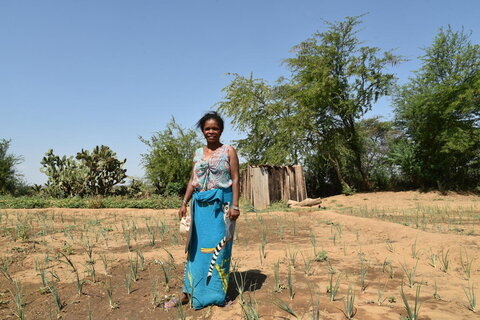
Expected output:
(263, 185)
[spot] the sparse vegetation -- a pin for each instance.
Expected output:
(68, 246)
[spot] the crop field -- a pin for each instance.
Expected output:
(374, 256)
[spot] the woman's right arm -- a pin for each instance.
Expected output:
(182, 212)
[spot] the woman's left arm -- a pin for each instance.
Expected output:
(235, 175)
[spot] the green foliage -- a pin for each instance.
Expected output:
(168, 162)
(439, 114)
(336, 82)
(347, 190)
(65, 176)
(88, 174)
(378, 137)
(134, 189)
(10, 182)
(402, 155)
(312, 118)
(103, 170)
(174, 188)
(153, 202)
(278, 206)
(265, 114)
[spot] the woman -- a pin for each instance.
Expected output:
(214, 190)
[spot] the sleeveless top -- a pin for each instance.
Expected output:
(212, 173)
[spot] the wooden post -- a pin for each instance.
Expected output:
(264, 184)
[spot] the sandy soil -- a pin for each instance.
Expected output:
(355, 233)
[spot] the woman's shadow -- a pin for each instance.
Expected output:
(245, 281)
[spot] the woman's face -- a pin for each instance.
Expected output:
(211, 131)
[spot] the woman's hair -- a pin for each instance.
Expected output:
(208, 116)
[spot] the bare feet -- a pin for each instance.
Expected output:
(175, 302)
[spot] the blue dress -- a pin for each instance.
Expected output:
(209, 244)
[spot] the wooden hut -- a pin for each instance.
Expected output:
(265, 184)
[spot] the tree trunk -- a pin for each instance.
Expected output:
(355, 146)
(338, 171)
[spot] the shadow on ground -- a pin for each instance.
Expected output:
(245, 281)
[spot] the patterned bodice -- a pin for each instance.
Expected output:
(213, 172)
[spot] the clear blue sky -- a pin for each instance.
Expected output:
(76, 74)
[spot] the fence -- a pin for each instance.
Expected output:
(265, 184)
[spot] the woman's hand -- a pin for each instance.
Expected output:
(182, 212)
(233, 214)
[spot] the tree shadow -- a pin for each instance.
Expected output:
(247, 281)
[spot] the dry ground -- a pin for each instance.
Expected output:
(384, 234)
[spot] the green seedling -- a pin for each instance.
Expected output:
(19, 299)
(332, 288)
(471, 297)
(291, 292)
(126, 237)
(321, 256)
(385, 264)
(235, 266)
(435, 293)
(292, 258)
(250, 308)
(380, 299)
(412, 313)
(141, 259)
(128, 282)
(56, 296)
(315, 304)
(261, 251)
(79, 283)
(88, 247)
(278, 287)
(444, 260)
(414, 250)
(285, 307)
(466, 264)
(240, 283)
(105, 263)
(307, 265)
(349, 310)
(4, 266)
(410, 274)
(363, 275)
(166, 275)
(133, 268)
(433, 260)
(391, 270)
(390, 246)
(109, 290)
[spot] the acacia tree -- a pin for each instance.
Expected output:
(264, 113)
(168, 161)
(9, 177)
(378, 139)
(337, 80)
(439, 112)
(312, 117)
